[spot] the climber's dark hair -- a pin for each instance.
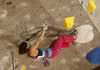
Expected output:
(22, 48)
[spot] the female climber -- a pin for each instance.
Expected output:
(33, 52)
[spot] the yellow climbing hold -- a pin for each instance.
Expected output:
(23, 68)
(3, 14)
(68, 22)
(75, 41)
(15, 61)
(91, 6)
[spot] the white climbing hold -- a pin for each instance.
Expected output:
(85, 33)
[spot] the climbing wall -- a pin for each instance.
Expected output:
(24, 19)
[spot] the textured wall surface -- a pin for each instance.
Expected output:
(24, 19)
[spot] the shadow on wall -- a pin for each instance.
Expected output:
(51, 32)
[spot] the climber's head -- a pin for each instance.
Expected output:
(23, 48)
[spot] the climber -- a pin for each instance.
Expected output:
(63, 41)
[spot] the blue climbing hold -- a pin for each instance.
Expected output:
(94, 56)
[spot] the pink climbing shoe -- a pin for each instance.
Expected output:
(74, 33)
(46, 63)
